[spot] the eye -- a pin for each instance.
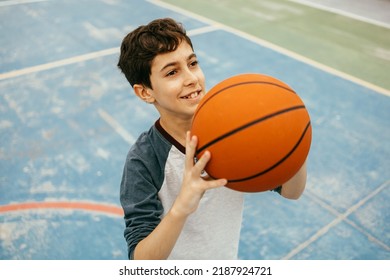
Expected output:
(194, 63)
(171, 73)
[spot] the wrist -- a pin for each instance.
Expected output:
(179, 212)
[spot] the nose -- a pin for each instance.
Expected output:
(190, 78)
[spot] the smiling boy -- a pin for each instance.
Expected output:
(171, 211)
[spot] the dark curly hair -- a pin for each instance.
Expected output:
(143, 44)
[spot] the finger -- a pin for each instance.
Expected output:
(191, 142)
(202, 162)
(216, 183)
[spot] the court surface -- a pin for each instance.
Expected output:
(68, 118)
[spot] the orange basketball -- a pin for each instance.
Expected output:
(257, 130)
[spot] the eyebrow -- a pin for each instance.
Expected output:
(176, 62)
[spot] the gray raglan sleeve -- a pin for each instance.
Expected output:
(278, 189)
(140, 202)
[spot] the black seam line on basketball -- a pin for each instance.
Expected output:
(276, 164)
(212, 142)
(244, 83)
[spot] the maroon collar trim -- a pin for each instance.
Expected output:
(167, 136)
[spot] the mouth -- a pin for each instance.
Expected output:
(192, 95)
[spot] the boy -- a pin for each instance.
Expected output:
(171, 211)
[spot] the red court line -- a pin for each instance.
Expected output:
(71, 205)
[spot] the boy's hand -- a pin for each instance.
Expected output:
(194, 186)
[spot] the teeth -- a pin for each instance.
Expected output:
(192, 95)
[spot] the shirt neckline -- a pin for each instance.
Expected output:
(167, 136)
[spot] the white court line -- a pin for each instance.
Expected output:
(116, 126)
(274, 47)
(335, 222)
(84, 57)
(342, 12)
(17, 2)
(58, 63)
(202, 30)
(309, 61)
(336, 213)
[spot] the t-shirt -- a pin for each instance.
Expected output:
(151, 181)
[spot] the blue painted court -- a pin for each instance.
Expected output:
(68, 118)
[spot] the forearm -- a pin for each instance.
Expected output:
(294, 187)
(160, 242)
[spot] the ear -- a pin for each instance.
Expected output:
(143, 92)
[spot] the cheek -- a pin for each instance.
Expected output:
(201, 77)
(174, 87)
(168, 90)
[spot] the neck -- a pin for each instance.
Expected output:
(177, 129)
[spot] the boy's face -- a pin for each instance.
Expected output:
(178, 83)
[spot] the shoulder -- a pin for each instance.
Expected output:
(150, 143)
(147, 158)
